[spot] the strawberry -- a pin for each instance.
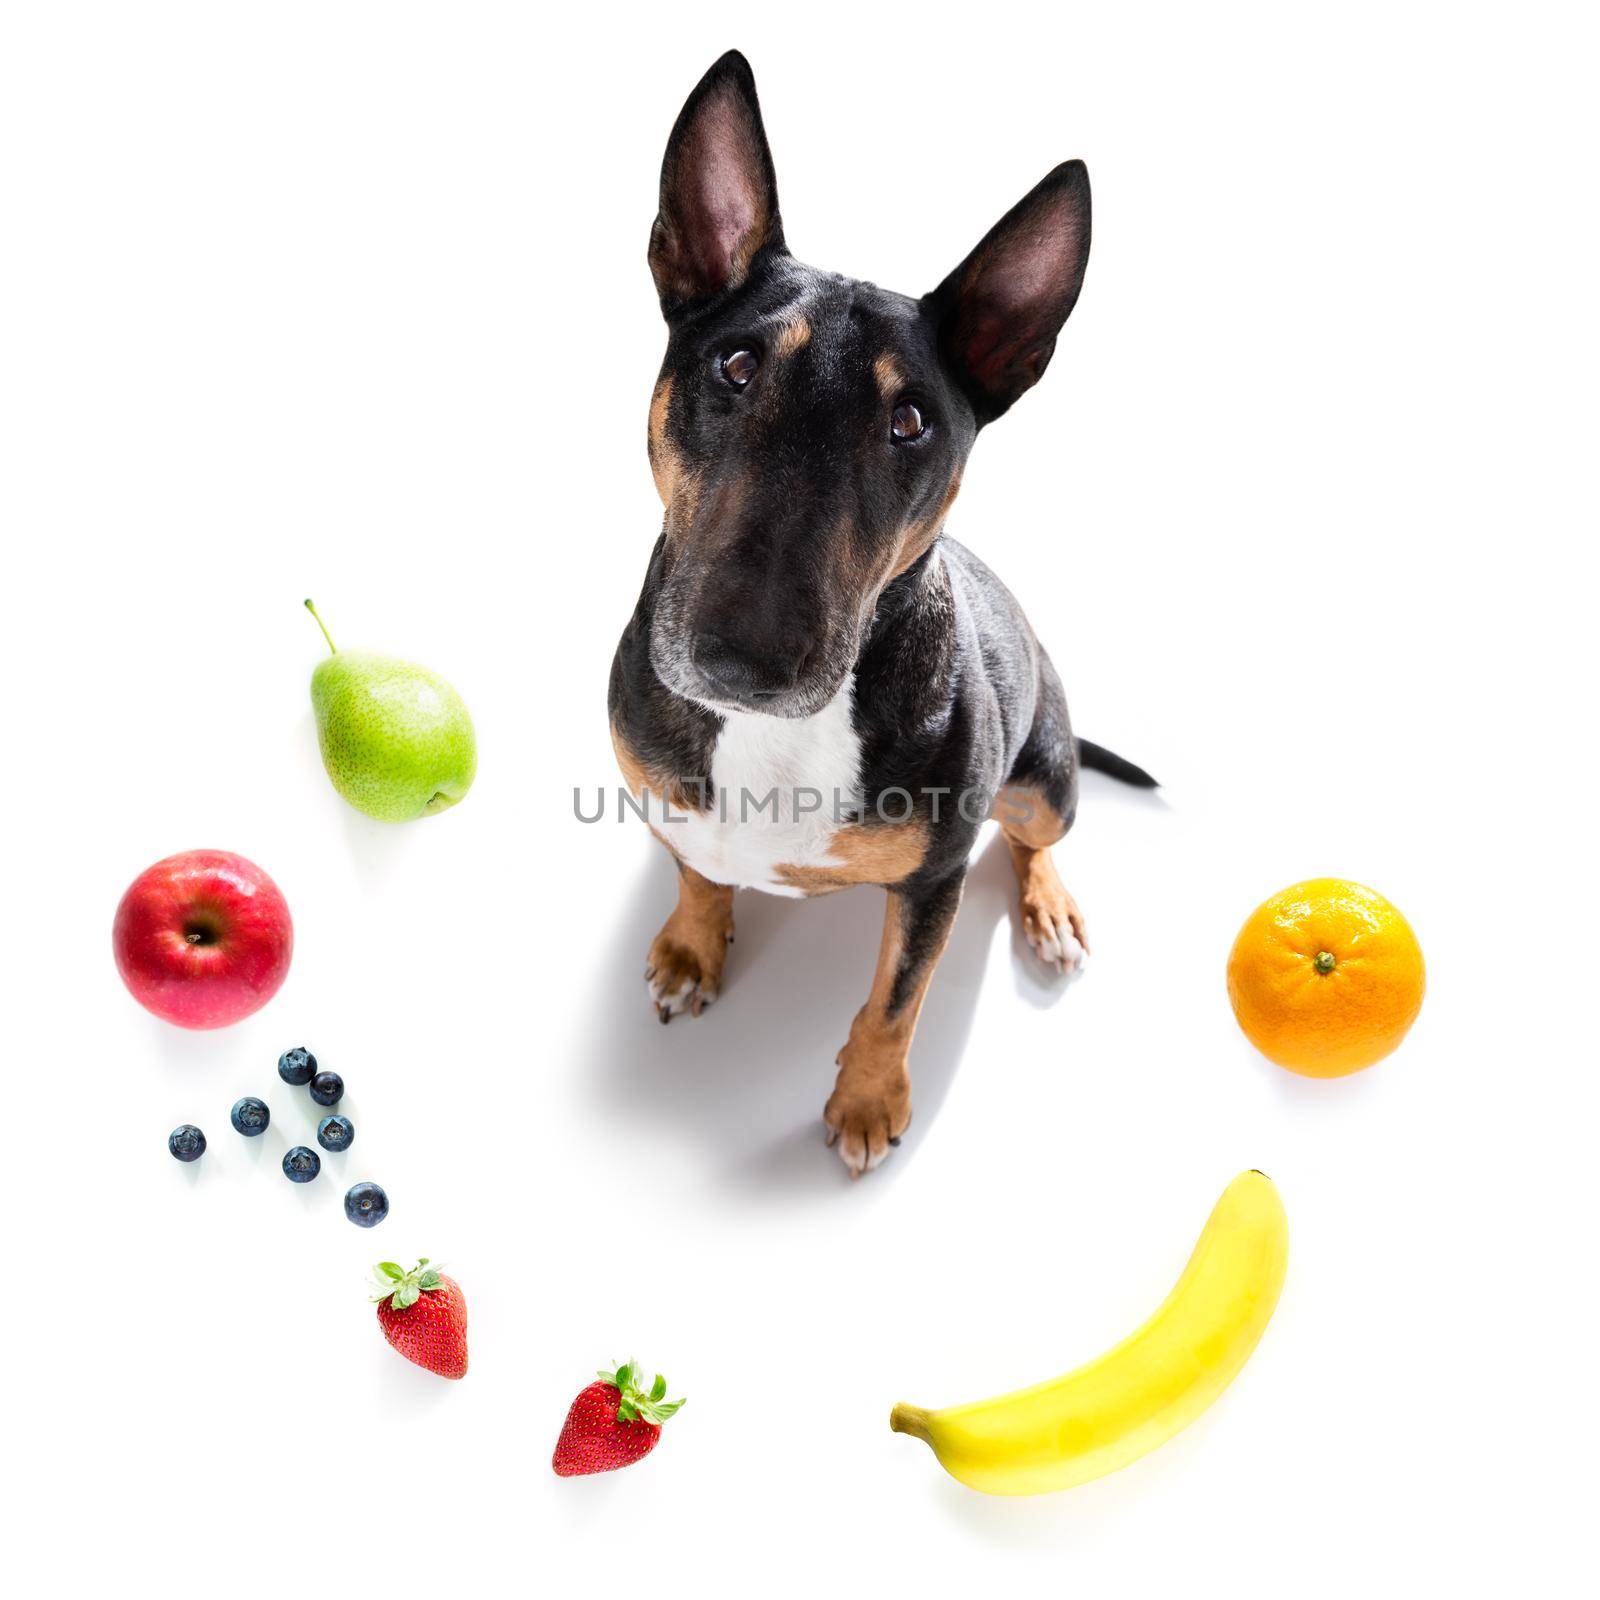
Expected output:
(613, 1423)
(423, 1314)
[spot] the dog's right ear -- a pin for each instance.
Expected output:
(999, 312)
(719, 197)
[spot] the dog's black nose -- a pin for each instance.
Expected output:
(737, 675)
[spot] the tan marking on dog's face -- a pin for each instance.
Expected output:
(890, 376)
(682, 506)
(709, 526)
(794, 335)
(1026, 817)
(640, 780)
(885, 853)
(918, 536)
(665, 467)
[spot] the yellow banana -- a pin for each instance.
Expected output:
(1144, 1390)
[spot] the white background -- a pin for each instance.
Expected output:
(351, 301)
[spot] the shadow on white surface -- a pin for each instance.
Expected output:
(180, 1051)
(375, 847)
(406, 1387)
(1065, 1517)
(266, 1149)
(747, 1079)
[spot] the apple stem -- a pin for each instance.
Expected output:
(321, 624)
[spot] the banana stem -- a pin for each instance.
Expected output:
(332, 647)
(912, 1420)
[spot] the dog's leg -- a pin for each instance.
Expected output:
(871, 1102)
(684, 969)
(1051, 921)
(1034, 810)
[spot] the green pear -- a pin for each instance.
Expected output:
(396, 739)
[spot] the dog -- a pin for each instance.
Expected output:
(818, 688)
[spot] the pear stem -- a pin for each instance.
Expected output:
(333, 648)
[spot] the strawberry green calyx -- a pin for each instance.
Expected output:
(402, 1289)
(636, 1403)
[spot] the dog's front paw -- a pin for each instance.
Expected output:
(869, 1108)
(685, 976)
(1053, 927)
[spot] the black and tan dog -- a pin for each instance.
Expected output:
(817, 688)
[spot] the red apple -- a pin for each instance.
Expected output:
(203, 938)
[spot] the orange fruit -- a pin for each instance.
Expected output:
(1325, 977)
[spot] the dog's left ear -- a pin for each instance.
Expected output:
(719, 196)
(999, 312)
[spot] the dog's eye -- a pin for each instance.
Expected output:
(740, 367)
(906, 423)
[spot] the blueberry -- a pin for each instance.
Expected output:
(366, 1205)
(297, 1065)
(189, 1144)
(250, 1116)
(336, 1133)
(301, 1165)
(327, 1088)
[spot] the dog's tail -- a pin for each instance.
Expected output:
(1097, 757)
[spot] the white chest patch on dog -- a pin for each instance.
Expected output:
(781, 787)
